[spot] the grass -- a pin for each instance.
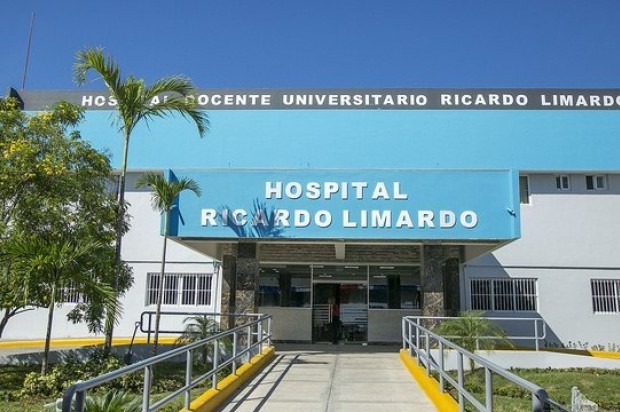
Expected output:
(599, 385)
(170, 376)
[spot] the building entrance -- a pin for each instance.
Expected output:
(340, 312)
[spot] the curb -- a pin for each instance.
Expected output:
(442, 401)
(212, 398)
(57, 343)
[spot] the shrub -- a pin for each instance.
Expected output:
(113, 401)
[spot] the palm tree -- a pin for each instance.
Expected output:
(471, 331)
(134, 103)
(164, 194)
(197, 328)
(47, 264)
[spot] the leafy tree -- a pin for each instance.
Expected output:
(136, 102)
(472, 331)
(53, 187)
(164, 195)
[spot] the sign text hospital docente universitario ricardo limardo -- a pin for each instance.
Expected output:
(521, 99)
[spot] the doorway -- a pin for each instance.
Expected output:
(340, 312)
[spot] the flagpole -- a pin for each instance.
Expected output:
(28, 52)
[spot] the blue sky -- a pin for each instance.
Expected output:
(320, 43)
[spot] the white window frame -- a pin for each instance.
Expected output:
(562, 182)
(520, 292)
(181, 289)
(606, 300)
(527, 190)
(596, 179)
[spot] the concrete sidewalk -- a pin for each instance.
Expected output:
(332, 381)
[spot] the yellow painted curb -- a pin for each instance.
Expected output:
(57, 343)
(602, 354)
(212, 398)
(442, 401)
(586, 352)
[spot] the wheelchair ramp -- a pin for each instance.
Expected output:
(334, 379)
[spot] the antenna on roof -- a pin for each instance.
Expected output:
(28, 52)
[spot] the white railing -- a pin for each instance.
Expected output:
(419, 340)
(538, 327)
(255, 334)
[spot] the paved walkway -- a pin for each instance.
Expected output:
(332, 380)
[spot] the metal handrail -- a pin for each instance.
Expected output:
(253, 329)
(540, 327)
(147, 326)
(413, 334)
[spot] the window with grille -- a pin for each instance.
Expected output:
(70, 294)
(562, 182)
(596, 182)
(605, 295)
(503, 294)
(180, 289)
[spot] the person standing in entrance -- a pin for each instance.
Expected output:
(335, 311)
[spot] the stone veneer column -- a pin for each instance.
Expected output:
(440, 280)
(432, 281)
(246, 295)
(229, 283)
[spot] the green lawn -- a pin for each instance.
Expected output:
(599, 385)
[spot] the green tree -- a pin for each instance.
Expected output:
(55, 186)
(472, 331)
(164, 195)
(47, 264)
(136, 102)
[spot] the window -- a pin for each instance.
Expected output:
(70, 294)
(605, 295)
(503, 294)
(284, 286)
(596, 182)
(180, 289)
(394, 287)
(524, 190)
(562, 182)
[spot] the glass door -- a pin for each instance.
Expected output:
(353, 312)
(340, 312)
(324, 321)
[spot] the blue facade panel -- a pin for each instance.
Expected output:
(366, 139)
(351, 204)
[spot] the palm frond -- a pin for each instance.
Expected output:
(163, 192)
(93, 59)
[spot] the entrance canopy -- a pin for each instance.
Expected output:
(358, 205)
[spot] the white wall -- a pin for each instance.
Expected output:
(567, 239)
(386, 325)
(290, 324)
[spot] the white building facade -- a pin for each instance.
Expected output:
(384, 202)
